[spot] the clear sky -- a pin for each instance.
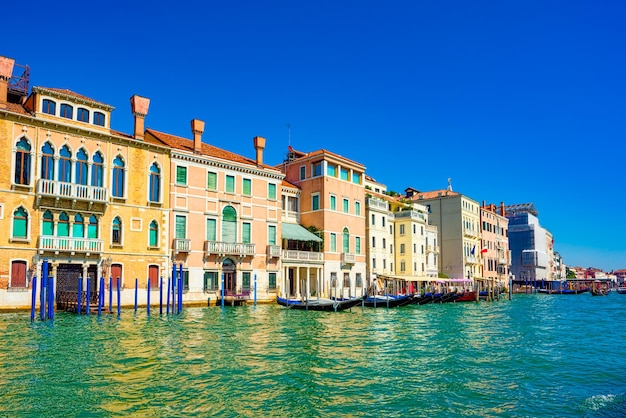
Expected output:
(515, 101)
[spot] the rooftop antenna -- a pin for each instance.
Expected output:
(449, 184)
(288, 134)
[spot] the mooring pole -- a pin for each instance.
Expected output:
(80, 294)
(148, 296)
(51, 297)
(118, 298)
(33, 299)
(87, 307)
(160, 295)
(180, 289)
(136, 291)
(101, 296)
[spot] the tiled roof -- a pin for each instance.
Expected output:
(207, 150)
(434, 194)
(17, 108)
(70, 93)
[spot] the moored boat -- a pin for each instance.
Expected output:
(319, 304)
(621, 290)
(387, 301)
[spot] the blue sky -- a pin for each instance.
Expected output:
(515, 101)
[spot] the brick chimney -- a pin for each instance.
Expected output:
(502, 211)
(6, 71)
(197, 129)
(139, 106)
(259, 145)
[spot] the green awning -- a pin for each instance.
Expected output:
(298, 233)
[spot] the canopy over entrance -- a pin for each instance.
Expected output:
(298, 233)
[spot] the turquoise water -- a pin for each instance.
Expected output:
(537, 355)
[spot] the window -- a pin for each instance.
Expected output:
(346, 206)
(316, 169)
(415, 248)
(331, 170)
(384, 263)
(271, 191)
(47, 162)
(20, 223)
(211, 181)
(78, 229)
(271, 234)
(333, 203)
(154, 278)
(98, 118)
(229, 224)
(401, 248)
(245, 233)
(357, 208)
(373, 242)
(181, 227)
(154, 234)
(181, 175)
(82, 115)
(384, 242)
(333, 279)
(357, 245)
(49, 107)
(401, 229)
(118, 177)
(346, 240)
(358, 280)
(373, 263)
(230, 184)
(67, 111)
(18, 274)
(211, 230)
(48, 224)
(154, 193)
(247, 187)
(402, 266)
(116, 237)
(81, 167)
(344, 174)
(22, 162)
(65, 165)
(302, 174)
(245, 280)
(373, 219)
(346, 280)
(315, 202)
(383, 221)
(97, 170)
(210, 280)
(271, 281)
(356, 178)
(63, 226)
(333, 242)
(92, 227)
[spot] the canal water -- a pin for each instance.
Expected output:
(536, 355)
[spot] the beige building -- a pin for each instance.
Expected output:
(495, 254)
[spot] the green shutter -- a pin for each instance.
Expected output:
(92, 228)
(211, 229)
(20, 228)
(247, 187)
(245, 280)
(344, 174)
(78, 230)
(181, 227)
(229, 224)
(271, 235)
(357, 245)
(357, 208)
(230, 184)
(211, 181)
(315, 202)
(346, 241)
(346, 206)
(333, 203)
(181, 175)
(271, 191)
(245, 233)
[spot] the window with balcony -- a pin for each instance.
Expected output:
(333, 202)
(98, 118)
(230, 184)
(65, 165)
(116, 231)
(153, 239)
(211, 180)
(154, 192)
(271, 234)
(271, 191)
(181, 175)
(47, 226)
(92, 227)
(49, 107)
(82, 115)
(67, 111)
(97, 170)
(346, 240)
(63, 225)
(333, 242)
(20, 223)
(229, 224)
(211, 229)
(78, 227)
(180, 227)
(22, 162)
(81, 167)
(247, 187)
(118, 177)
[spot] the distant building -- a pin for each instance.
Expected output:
(496, 257)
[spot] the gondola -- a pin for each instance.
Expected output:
(322, 304)
(386, 301)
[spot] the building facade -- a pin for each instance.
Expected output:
(494, 251)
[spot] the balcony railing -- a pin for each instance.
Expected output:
(348, 258)
(468, 232)
(470, 259)
(274, 251)
(60, 189)
(432, 249)
(182, 245)
(71, 244)
(229, 248)
(294, 255)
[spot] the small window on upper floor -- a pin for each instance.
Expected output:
(345, 174)
(181, 175)
(82, 115)
(98, 118)
(271, 191)
(302, 173)
(67, 111)
(49, 107)
(317, 169)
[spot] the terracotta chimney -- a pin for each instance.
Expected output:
(197, 129)
(502, 211)
(6, 71)
(259, 145)
(139, 106)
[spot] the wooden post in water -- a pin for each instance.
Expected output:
(51, 297)
(33, 299)
(160, 295)
(101, 296)
(110, 294)
(167, 310)
(136, 291)
(79, 295)
(87, 307)
(118, 298)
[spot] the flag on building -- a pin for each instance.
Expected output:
(484, 250)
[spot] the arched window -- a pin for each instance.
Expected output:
(118, 177)
(82, 115)
(81, 167)
(78, 229)
(65, 165)
(48, 224)
(346, 240)
(155, 183)
(20, 223)
(63, 227)
(67, 111)
(22, 162)
(92, 228)
(97, 170)
(229, 224)
(116, 236)
(154, 234)
(98, 118)
(49, 107)
(47, 162)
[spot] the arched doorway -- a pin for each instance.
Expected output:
(229, 268)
